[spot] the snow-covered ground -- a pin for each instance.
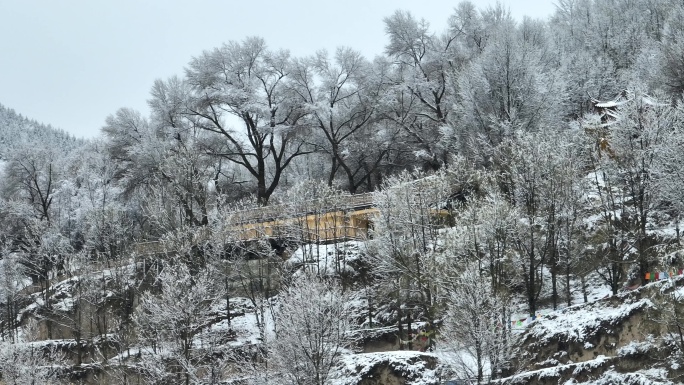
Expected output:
(575, 323)
(608, 376)
(572, 323)
(243, 326)
(415, 367)
(329, 259)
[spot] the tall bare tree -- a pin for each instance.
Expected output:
(240, 94)
(341, 97)
(313, 326)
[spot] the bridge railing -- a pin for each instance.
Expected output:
(149, 248)
(347, 217)
(273, 212)
(309, 228)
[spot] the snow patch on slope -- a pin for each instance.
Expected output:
(578, 323)
(415, 367)
(330, 259)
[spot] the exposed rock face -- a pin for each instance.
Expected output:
(389, 368)
(386, 340)
(632, 338)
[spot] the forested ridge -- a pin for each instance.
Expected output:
(520, 172)
(19, 131)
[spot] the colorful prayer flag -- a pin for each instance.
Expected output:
(648, 276)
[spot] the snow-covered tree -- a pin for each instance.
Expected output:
(168, 322)
(539, 171)
(33, 176)
(405, 239)
(341, 95)
(475, 338)
(314, 325)
(418, 99)
(484, 234)
(245, 85)
(98, 220)
(671, 54)
(29, 363)
(162, 161)
(642, 131)
(669, 171)
(12, 280)
(510, 87)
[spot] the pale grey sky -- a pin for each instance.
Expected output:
(70, 63)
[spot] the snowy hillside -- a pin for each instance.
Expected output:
(497, 202)
(633, 338)
(16, 130)
(630, 338)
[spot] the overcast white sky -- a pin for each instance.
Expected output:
(70, 63)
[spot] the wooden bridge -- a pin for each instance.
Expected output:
(350, 218)
(317, 221)
(310, 222)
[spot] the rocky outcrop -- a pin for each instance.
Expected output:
(634, 336)
(388, 368)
